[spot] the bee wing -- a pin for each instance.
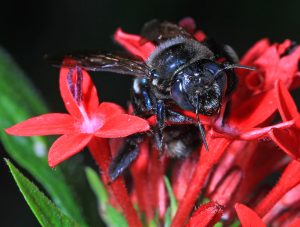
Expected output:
(101, 61)
(158, 32)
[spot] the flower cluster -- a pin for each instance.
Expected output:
(260, 137)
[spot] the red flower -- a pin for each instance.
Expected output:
(86, 119)
(134, 44)
(273, 62)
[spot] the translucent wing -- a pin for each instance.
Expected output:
(158, 32)
(101, 61)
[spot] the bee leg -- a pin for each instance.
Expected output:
(232, 81)
(141, 98)
(125, 155)
(160, 125)
(176, 117)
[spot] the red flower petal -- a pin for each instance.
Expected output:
(66, 146)
(257, 133)
(256, 51)
(224, 165)
(46, 124)
(295, 223)
(90, 99)
(287, 141)
(254, 81)
(282, 47)
(206, 215)
(108, 109)
(139, 171)
(227, 187)
(254, 111)
(122, 125)
(277, 68)
(290, 201)
(258, 160)
(286, 105)
(289, 179)
(182, 173)
(134, 44)
(200, 36)
(248, 217)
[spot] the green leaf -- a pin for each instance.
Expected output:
(20, 101)
(44, 210)
(173, 202)
(236, 224)
(110, 215)
(167, 221)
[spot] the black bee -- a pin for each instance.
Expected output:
(181, 74)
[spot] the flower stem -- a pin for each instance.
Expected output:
(100, 150)
(205, 164)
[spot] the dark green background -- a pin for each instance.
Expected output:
(31, 29)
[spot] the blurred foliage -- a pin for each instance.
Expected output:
(44, 210)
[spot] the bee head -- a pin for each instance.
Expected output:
(200, 85)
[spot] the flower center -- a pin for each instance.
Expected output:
(89, 124)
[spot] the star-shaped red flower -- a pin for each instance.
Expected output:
(86, 119)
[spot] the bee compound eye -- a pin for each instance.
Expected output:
(211, 67)
(180, 96)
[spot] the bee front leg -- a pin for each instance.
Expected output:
(225, 113)
(160, 124)
(176, 117)
(125, 155)
(220, 119)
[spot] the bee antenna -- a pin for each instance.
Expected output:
(202, 132)
(233, 66)
(238, 66)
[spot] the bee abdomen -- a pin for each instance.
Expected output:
(181, 140)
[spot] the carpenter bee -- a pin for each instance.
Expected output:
(181, 74)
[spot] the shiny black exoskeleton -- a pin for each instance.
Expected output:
(181, 74)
